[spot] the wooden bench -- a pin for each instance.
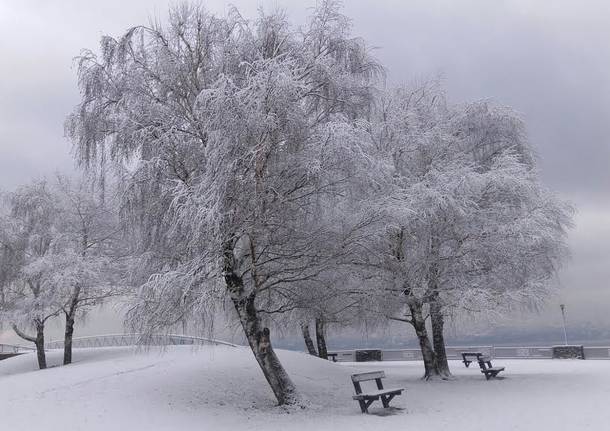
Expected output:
(332, 356)
(487, 368)
(365, 399)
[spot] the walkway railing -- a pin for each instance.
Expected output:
(454, 352)
(113, 340)
(13, 348)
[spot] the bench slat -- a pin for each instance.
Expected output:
(362, 377)
(377, 394)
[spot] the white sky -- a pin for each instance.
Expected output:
(548, 59)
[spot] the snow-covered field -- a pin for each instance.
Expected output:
(221, 388)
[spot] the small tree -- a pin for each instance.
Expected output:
(29, 229)
(90, 243)
(55, 257)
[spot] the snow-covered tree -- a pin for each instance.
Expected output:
(28, 229)
(232, 132)
(468, 220)
(511, 246)
(55, 256)
(90, 247)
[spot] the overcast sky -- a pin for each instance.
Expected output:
(548, 59)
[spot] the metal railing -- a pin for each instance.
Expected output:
(454, 352)
(114, 340)
(597, 352)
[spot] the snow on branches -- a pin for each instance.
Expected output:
(260, 164)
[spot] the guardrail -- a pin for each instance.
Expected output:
(454, 352)
(114, 340)
(597, 352)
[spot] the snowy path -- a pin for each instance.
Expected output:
(217, 388)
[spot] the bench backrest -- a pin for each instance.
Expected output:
(363, 377)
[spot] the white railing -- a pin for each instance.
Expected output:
(113, 340)
(12, 348)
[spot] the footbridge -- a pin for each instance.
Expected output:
(113, 340)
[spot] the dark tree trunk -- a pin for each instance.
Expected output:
(419, 324)
(40, 353)
(258, 337)
(321, 338)
(69, 330)
(436, 313)
(438, 339)
(38, 341)
(308, 341)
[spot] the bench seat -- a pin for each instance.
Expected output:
(376, 394)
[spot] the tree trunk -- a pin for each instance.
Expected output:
(258, 337)
(68, 339)
(321, 338)
(436, 313)
(308, 341)
(438, 339)
(69, 330)
(40, 353)
(38, 341)
(419, 324)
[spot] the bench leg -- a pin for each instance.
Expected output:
(363, 406)
(385, 401)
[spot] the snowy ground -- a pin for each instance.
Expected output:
(220, 388)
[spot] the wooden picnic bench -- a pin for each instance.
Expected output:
(365, 399)
(332, 356)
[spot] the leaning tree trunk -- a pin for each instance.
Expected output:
(258, 337)
(419, 324)
(321, 338)
(308, 341)
(438, 339)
